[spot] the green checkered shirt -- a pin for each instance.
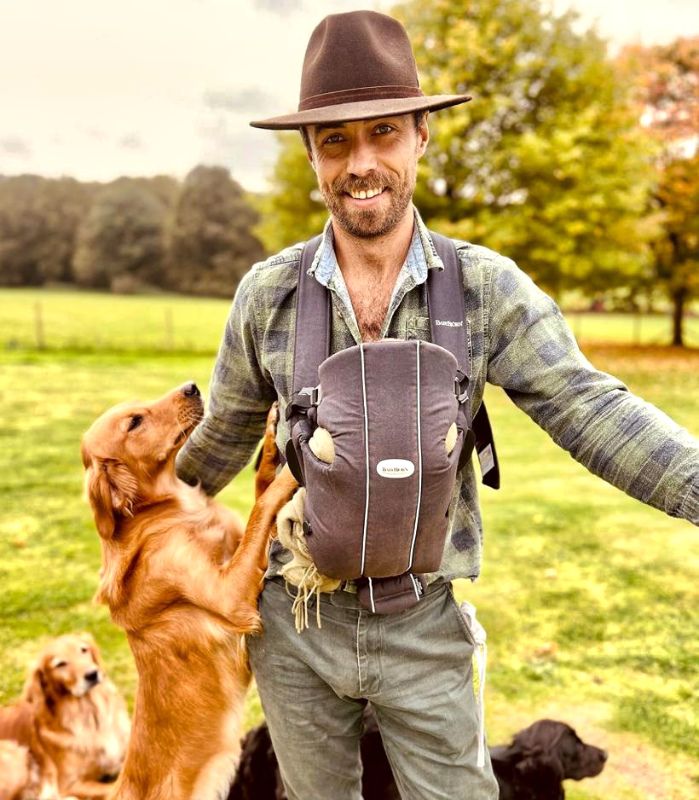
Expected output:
(517, 339)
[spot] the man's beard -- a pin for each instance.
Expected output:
(369, 223)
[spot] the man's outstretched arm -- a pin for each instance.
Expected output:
(616, 435)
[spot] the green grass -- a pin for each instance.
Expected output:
(589, 598)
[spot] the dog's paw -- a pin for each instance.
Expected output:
(272, 419)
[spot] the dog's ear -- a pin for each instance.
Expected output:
(111, 490)
(37, 688)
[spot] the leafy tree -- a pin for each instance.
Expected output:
(212, 244)
(121, 242)
(39, 219)
(546, 163)
(293, 211)
(667, 81)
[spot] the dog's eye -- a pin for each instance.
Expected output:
(59, 664)
(84, 649)
(136, 420)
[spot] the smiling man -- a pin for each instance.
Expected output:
(364, 121)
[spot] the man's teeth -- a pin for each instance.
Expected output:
(364, 195)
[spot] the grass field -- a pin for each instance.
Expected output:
(589, 598)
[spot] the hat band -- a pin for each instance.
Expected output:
(364, 93)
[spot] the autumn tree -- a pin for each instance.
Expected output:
(212, 244)
(121, 241)
(667, 81)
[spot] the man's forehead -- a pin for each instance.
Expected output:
(376, 121)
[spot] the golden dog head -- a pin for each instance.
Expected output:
(131, 449)
(69, 665)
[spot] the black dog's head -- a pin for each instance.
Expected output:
(539, 758)
(559, 743)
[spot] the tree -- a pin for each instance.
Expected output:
(546, 163)
(293, 210)
(677, 250)
(121, 242)
(39, 219)
(667, 81)
(212, 244)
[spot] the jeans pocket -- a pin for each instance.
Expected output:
(463, 624)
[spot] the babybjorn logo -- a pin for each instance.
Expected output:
(395, 468)
(449, 323)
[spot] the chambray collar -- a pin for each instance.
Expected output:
(421, 256)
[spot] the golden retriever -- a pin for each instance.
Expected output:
(72, 719)
(184, 608)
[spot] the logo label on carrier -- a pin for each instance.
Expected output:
(395, 468)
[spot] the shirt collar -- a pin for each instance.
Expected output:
(421, 256)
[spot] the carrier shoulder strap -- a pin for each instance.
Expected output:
(445, 299)
(446, 304)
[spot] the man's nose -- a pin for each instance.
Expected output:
(362, 158)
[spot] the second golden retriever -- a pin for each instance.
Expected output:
(184, 609)
(71, 718)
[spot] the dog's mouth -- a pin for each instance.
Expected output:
(188, 424)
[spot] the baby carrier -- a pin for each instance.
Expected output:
(398, 414)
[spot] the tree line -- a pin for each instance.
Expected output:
(582, 167)
(130, 235)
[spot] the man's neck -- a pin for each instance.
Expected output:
(383, 256)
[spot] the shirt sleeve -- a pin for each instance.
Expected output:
(239, 398)
(616, 435)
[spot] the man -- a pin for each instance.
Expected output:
(363, 118)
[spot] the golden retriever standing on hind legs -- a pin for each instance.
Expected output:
(185, 608)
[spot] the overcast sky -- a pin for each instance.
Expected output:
(101, 88)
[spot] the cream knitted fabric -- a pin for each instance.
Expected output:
(301, 571)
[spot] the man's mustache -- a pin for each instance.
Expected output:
(371, 183)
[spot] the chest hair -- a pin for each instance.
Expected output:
(370, 301)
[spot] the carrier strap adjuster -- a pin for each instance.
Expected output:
(303, 400)
(461, 386)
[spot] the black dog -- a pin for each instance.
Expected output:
(539, 758)
(532, 767)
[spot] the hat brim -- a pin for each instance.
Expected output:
(365, 109)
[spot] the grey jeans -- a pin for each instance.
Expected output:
(414, 667)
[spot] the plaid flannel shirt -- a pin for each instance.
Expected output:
(517, 339)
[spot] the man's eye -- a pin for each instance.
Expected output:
(334, 138)
(383, 129)
(136, 420)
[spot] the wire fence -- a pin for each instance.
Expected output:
(92, 322)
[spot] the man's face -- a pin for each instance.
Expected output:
(366, 170)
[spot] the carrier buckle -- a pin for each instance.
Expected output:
(461, 386)
(303, 400)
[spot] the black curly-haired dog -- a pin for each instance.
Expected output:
(532, 767)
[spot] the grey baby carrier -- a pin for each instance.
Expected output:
(378, 514)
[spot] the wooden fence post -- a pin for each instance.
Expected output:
(39, 325)
(169, 330)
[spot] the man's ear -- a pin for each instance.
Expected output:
(111, 490)
(423, 135)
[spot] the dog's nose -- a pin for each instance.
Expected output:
(191, 390)
(92, 677)
(605, 755)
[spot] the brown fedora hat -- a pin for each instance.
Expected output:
(358, 65)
